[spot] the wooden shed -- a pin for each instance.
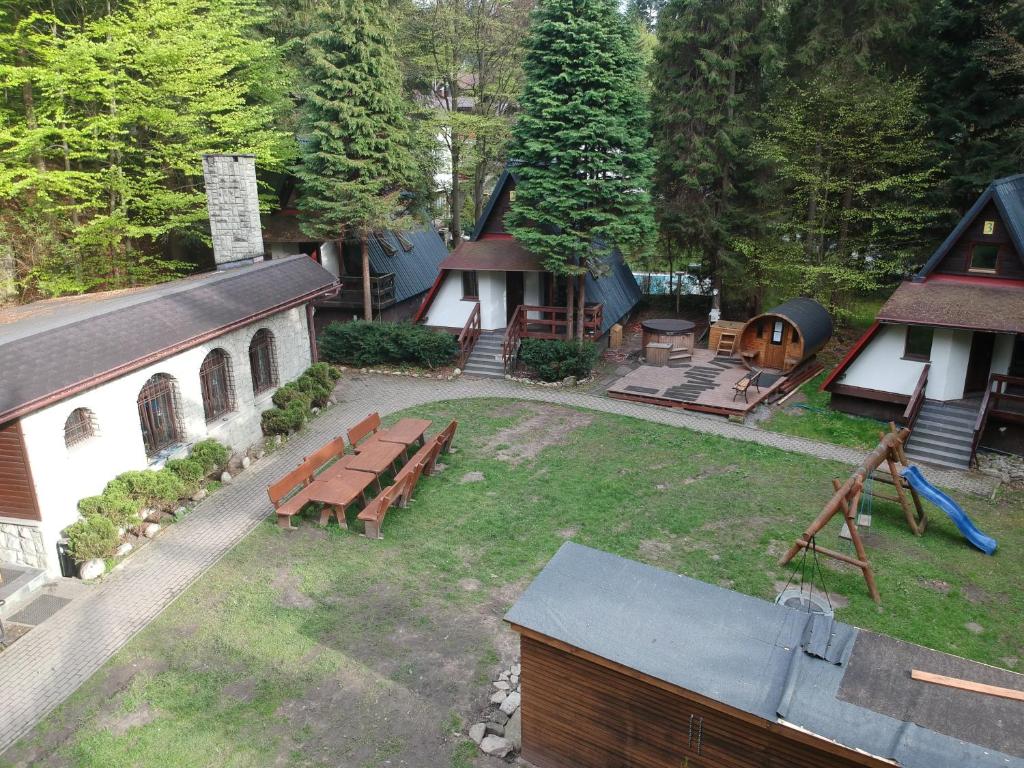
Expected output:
(628, 665)
(784, 337)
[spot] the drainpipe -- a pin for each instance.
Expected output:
(314, 354)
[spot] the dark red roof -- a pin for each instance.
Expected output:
(494, 254)
(979, 305)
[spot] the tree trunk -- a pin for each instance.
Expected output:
(570, 304)
(581, 315)
(671, 270)
(364, 247)
(456, 202)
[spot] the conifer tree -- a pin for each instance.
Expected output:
(355, 143)
(582, 142)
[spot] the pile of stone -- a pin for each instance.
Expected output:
(500, 733)
(1009, 469)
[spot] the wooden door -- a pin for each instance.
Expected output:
(979, 363)
(514, 293)
(774, 354)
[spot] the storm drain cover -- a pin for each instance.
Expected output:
(39, 610)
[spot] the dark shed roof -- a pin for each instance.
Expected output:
(981, 304)
(766, 660)
(617, 290)
(1008, 196)
(414, 269)
(52, 349)
(493, 254)
(811, 319)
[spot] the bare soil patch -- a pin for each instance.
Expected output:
(243, 690)
(119, 723)
(290, 593)
(549, 425)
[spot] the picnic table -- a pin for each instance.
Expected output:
(376, 456)
(339, 489)
(405, 431)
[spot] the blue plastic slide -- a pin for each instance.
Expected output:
(967, 527)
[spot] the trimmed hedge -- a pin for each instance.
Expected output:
(211, 454)
(190, 471)
(361, 343)
(95, 536)
(554, 360)
(294, 400)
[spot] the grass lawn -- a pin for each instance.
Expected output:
(808, 415)
(321, 648)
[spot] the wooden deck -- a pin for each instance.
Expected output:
(705, 384)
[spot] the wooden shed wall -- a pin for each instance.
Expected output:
(495, 224)
(581, 714)
(759, 351)
(1008, 264)
(17, 493)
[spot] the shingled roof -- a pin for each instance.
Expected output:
(52, 349)
(414, 268)
(806, 670)
(980, 304)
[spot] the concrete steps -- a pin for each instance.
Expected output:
(19, 584)
(485, 360)
(943, 435)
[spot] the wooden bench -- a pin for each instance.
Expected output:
(373, 515)
(364, 429)
(447, 436)
(748, 381)
(289, 494)
(414, 469)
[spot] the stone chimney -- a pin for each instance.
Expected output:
(234, 206)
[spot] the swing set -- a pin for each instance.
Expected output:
(855, 496)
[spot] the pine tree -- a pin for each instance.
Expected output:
(582, 141)
(709, 73)
(355, 144)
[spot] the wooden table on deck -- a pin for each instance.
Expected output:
(405, 431)
(376, 456)
(339, 489)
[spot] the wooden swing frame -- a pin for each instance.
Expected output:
(847, 496)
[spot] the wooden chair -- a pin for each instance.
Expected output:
(748, 381)
(289, 494)
(373, 515)
(365, 428)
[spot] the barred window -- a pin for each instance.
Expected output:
(263, 361)
(159, 413)
(217, 384)
(80, 426)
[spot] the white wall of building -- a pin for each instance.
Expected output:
(492, 300)
(330, 258)
(63, 475)
(448, 310)
(950, 351)
(1002, 354)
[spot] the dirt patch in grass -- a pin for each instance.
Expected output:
(935, 585)
(549, 425)
(973, 594)
(707, 472)
(654, 550)
(119, 723)
(242, 690)
(290, 593)
(568, 533)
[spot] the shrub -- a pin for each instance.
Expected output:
(93, 537)
(153, 488)
(553, 360)
(290, 393)
(314, 388)
(210, 454)
(190, 471)
(281, 421)
(368, 343)
(115, 505)
(325, 372)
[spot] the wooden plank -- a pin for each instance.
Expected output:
(967, 685)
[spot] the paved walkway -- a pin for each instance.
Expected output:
(51, 661)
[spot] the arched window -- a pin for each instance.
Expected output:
(262, 361)
(80, 426)
(159, 413)
(217, 384)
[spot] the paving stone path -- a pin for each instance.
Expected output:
(50, 662)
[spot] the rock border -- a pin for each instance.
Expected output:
(455, 373)
(500, 734)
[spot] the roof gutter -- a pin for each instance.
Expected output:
(155, 357)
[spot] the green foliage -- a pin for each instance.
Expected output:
(362, 343)
(814, 419)
(291, 393)
(553, 359)
(153, 488)
(582, 138)
(355, 156)
(115, 504)
(281, 421)
(93, 537)
(190, 471)
(211, 454)
(314, 388)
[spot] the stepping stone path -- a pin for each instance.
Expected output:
(500, 734)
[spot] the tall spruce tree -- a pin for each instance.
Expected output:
(709, 77)
(582, 141)
(355, 144)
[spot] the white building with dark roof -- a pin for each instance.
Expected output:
(96, 385)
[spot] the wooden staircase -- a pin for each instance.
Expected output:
(678, 355)
(726, 344)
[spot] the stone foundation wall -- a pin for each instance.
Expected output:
(22, 545)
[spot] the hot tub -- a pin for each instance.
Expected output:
(678, 333)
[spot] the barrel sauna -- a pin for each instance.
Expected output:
(784, 337)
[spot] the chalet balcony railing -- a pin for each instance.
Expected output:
(546, 323)
(469, 336)
(382, 293)
(1000, 402)
(913, 409)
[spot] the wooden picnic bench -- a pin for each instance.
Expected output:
(291, 493)
(748, 381)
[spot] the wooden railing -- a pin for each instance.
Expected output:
(382, 292)
(549, 323)
(913, 408)
(994, 404)
(468, 337)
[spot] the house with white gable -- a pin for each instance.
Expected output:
(95, 385)
(945, 354)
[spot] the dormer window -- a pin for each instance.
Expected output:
(983, 258)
